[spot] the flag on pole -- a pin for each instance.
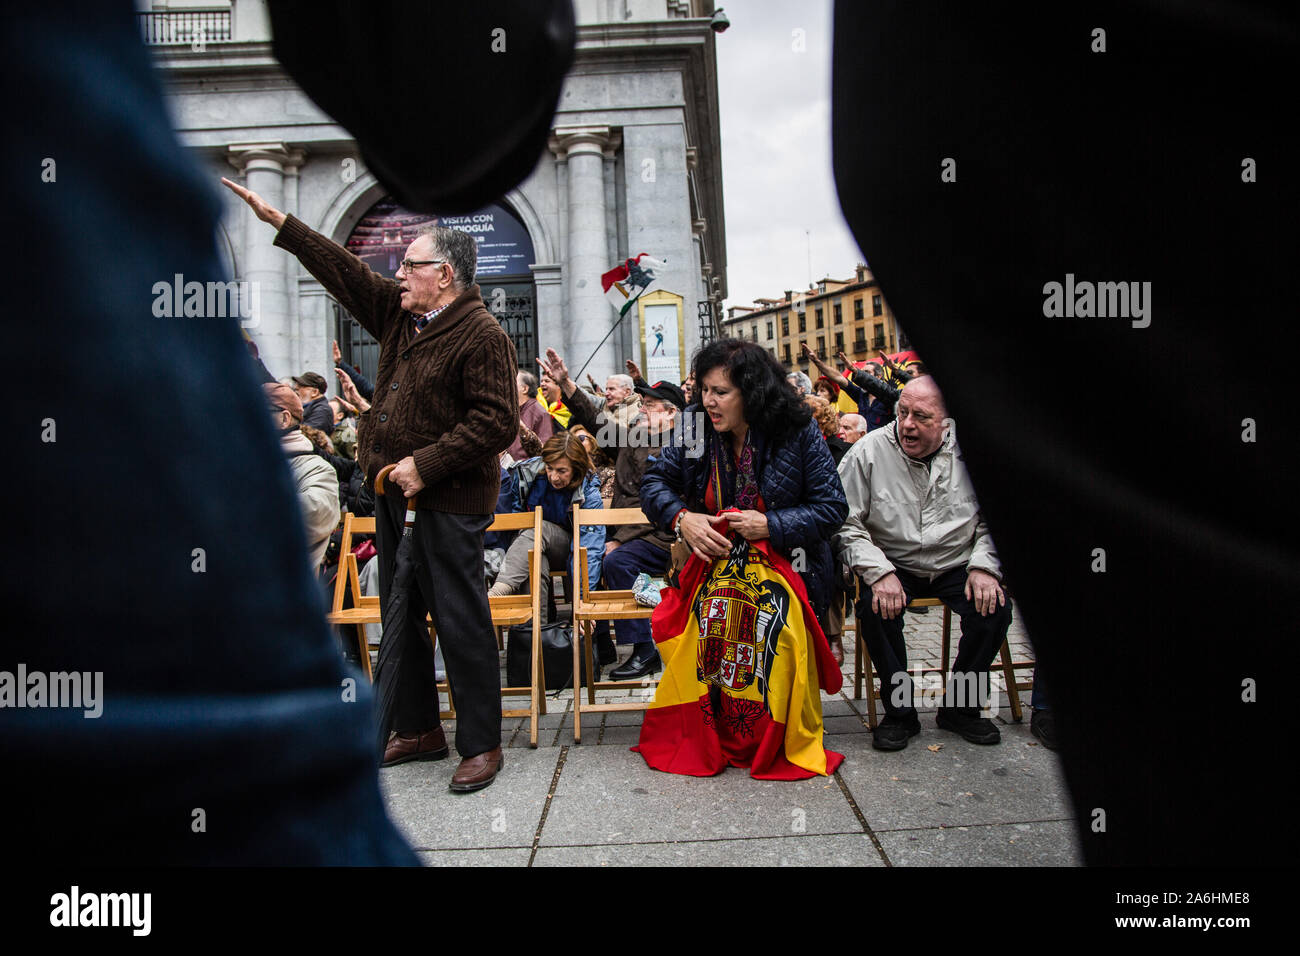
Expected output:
(624, 283)
(744, 662)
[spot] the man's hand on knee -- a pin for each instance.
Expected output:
(984, 589)
(887, 597)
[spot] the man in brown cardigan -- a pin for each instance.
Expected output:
(444, 409)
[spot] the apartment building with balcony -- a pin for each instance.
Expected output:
(832, 315)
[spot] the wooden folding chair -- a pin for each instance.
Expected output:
(365, 608)
(863, 668)
(511, 609)
(590, 606)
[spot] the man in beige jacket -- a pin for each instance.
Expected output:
(314, 477)
(914, 530)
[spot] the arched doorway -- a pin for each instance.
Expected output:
(505, 252)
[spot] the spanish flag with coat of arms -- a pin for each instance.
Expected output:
(744, 663)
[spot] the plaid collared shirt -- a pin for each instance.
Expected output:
(422, 320)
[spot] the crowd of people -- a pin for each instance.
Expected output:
(873, 505)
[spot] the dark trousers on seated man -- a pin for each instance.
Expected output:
(619, 570)
(448, 586)
(981, 637)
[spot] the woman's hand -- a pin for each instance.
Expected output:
(705, 542)
(752, 525)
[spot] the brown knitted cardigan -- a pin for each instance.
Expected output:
(447, 396)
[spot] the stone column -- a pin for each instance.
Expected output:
(307, 354)
(549, 280)
(262, 167)
(590, 317)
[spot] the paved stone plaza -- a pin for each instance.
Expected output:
(598, 804)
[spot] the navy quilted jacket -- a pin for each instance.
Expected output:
(801, 490)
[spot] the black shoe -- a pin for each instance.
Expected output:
(976, 729)
(892, 732)
(1043, 726)
(644, 660)
(923, 609)
(606, 652)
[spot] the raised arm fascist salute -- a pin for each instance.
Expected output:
(444, 409)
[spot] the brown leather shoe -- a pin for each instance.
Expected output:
(475, 773)
(430, 745)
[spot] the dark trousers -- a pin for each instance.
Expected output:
(448, 549)
(620, 569)
(981, 637)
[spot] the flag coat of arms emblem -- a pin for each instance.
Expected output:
(744, 663)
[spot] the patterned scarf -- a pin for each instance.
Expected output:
(734, 484)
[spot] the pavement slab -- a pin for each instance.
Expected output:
(840, 850)
(510, 857)
(960, 784)
(1051, 843)
(960, 804)
(504, 814)
(609, 795)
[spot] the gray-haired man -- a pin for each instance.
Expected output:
(444, 409)
(621, 399)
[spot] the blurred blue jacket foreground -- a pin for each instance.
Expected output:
(158, 541)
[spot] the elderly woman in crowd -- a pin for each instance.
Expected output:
(599, 463)
(558, 478)
(827, 417)
(743, 647)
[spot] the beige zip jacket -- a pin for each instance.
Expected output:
(908, 516)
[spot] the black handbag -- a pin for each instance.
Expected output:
(557, 655)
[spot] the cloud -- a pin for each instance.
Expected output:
(775, 117)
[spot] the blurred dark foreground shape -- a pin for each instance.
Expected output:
(156, 539)
(1096, 435)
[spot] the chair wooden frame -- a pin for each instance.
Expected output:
(365, 608)
(511, 609)
(590, 606)
(863, 667)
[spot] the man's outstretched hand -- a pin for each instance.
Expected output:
(349, 390)
(261, 208)
(554, 366)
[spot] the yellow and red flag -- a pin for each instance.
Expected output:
(744, 663)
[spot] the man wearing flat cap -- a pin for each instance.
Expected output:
(316, 410)
(629, 549)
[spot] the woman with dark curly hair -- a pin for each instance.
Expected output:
(743, 646)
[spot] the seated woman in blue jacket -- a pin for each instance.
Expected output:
(569, 480)
(762, 445)
(765, 481)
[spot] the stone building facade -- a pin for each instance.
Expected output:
(633, 166)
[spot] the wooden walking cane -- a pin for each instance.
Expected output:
(395, 606)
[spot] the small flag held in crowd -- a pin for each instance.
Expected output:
(625, 283)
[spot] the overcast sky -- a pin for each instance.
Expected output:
(775, 106)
